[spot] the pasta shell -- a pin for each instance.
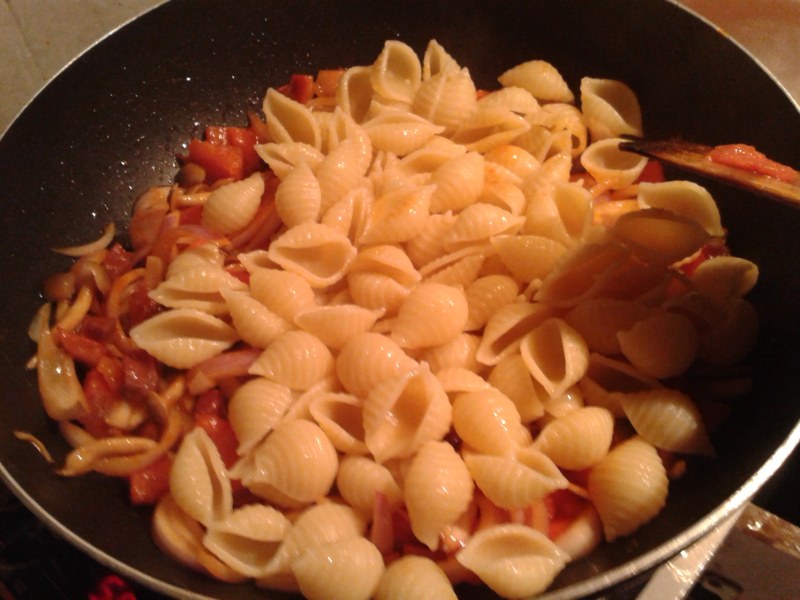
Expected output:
(256, 324)
(485, 296)
(199, 287)
(515, 561)
(289, 121)
(387, 260)
(417, 577)
(667, 419)
(318, 525)
(295, 359)
(232, 206)
(556, 356)
(432, 314)
(683, 198)
(540, 78)
(606, 377)
(598, 320)
(315, 252)
(436, 60)
(560, 211)
(725, 278)
(438, 490)
(513, 379)
(341, 171)
(402, 414)
(662, 346)
(297, 460)
(396, 73)
(578, 439)
(299, 197)
(626, 503)
(458, 268)
(283, 292)
(354, 92)
(334, 325)
(477, 223)
(457, 353)
(490, 127)
(255, 409)
(506, 328)
(284, 157)
(488, 422)
(456, 380)
(376, 291)
(515, 481)
(248, 538)
(183, 337)
(398, 216)
(610, 108)
(360, 478)
(352, 564)
(198, 480)
(369, 358)
(428, 244)
(400, 132)
(350, 214)
(611, 166)
(528, 257)
(435, 153)
(340, 416)
(446, 99)
(515, 99)
(503, 194)
(658, 236)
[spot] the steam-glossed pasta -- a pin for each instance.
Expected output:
(423, 314)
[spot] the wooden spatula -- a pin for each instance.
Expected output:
(695, 157)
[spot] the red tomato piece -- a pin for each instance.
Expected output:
(710, 250)
(564, 507)
(653, 172)
(218, 161)
(150, 483)
(81, 348)
(117, 261)
(100, 399)
(221, 433)
(300, 88)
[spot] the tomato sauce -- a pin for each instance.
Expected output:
(747, 158)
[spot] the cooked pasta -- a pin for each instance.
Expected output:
(424, 338)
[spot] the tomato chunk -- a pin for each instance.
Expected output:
(300, 88)
(150, 483)
(218, 161)
(747, 158)
(563, 507)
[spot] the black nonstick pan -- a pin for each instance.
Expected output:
(111, 125)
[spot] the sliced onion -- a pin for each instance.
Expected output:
(102, 242)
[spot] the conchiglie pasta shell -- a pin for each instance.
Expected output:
(354, 92)
(667, 419)
(578, 439)
(334, 325)
(417, 577)
(436, 60)
(512, 378)
(540, 78)
(611, 166)
(725, 278)
(606, 377)
(515, 99)
(610, 108)
(456, 380)
(515, 561)
(561, 211)
(255, 409)
(684, 198)
(317, 525)
(398, 216)
(663, 345)
(485, 296)
(352, 564)
(296, 359)
(284, 157)
(457, 353)
(290, 121)
(506, 328)
(598, 320)
(400, 132)
(438, 489)
(556, 356)
(360, 478)
(198, 480)
(528, 257)
(490, 127)
(369, 358)
(256, 324)
(503, 194)
(432, 314)
(232, 206)
(341, 171)
(198, 287)
(299, 197)
(479, 222)
(396, 73)
(515, 482)
(446, 99)
(248, 538)
(183, 337)
(315, 252)
(297, 459)
(387, 260)
(283, 292)
(658, 236)
(376, 291)
(626, 503)
(488, 422)
(340, 416)
(350, 214)
(458, 268)
(458, 181)
(402, 414)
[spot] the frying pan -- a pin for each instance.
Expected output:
(111, 124)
